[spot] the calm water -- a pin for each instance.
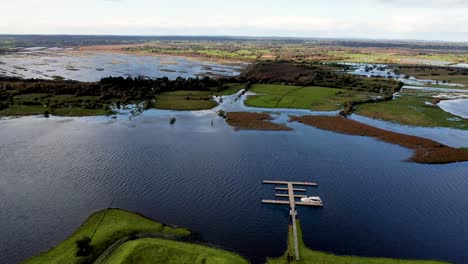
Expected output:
(92, 66)
(56, 172)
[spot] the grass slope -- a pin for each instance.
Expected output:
(155, 250)
(314, 98)
(113, 224)
(310, 256)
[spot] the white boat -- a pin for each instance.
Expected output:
(312, 199)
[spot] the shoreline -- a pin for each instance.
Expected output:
(426, 151)
(254, 121)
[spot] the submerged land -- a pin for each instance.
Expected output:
(311, 75)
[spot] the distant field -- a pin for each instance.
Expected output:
(442, 74)
(185, 100)
(314, 98)
(311, 256)
(193, 100)
(232, 88)
(411, 109)
(59, 105)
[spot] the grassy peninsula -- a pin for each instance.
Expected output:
(108, 227)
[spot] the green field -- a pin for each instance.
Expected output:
(185, 100)
(411, 109)
(155, 250)
(231, 88)
(314, 98)
(311, 256)
(59, 105)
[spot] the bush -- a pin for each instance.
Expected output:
(84, 247)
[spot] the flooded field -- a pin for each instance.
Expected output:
(57, 63)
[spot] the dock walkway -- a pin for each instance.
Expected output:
(292, 203)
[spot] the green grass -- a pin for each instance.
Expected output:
(410, 109)
(155, 250)
(314, 98)
(232, 88)
(185, 100)
(311, 256)
(63, 105)
(113, 224)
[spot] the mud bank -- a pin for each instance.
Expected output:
(254, 121)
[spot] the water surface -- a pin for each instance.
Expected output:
(55, 172)
(92, 66)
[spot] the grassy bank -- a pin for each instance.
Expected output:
(104, 228)
(155, 250)
(314, 98)
(412, 108)
(311, 256)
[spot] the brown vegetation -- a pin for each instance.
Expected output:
(426, 150)
(254, 121)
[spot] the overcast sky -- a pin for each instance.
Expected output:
(392, 19)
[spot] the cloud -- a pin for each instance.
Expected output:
(425, 3)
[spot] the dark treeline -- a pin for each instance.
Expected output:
(126, 89)
(312, 75)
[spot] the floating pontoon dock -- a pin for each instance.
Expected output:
(292, 203)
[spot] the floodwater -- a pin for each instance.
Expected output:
(92, 66)
(57, 171)
(458, 107)
(201, 174)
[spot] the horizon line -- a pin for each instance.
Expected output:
(239, 37)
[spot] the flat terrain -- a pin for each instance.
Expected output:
(442, 74)
(60, 105)
(313, 98)
(412, 108)
(193, 100)
(304, 50)
(311, 256)
(185, 100)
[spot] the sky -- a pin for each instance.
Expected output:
(377, 19)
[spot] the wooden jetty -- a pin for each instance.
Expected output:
(292, 203)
